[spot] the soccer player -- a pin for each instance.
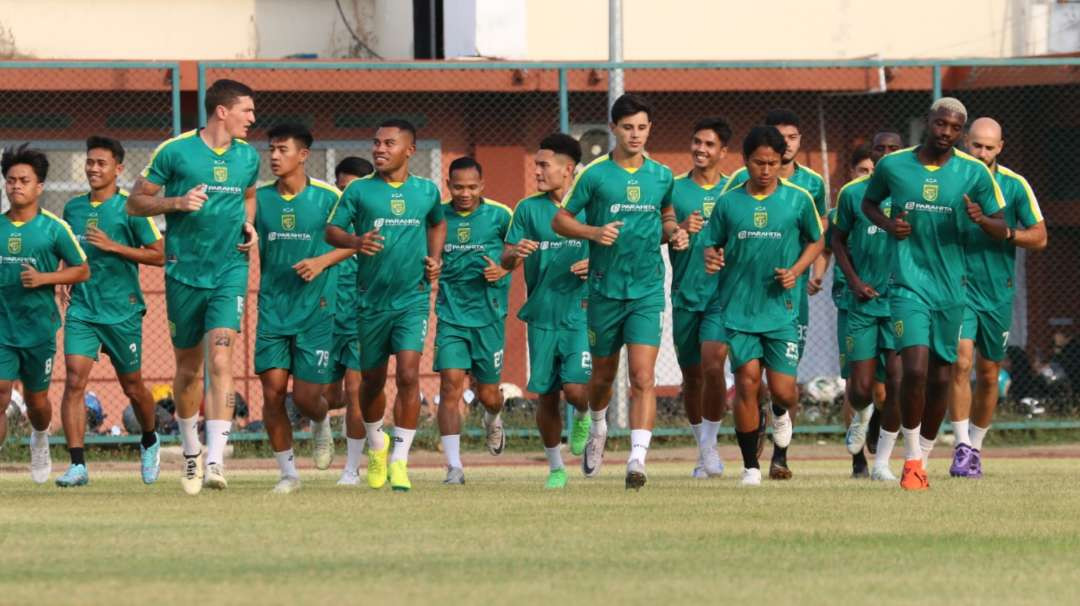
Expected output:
(106, 312)
(204, 183)
(770, 233)
(555, 273)
(787, 122)
(694, 197)
(988, 313)
(864, 257)
(930, 186)
(471, 309)
(626, 197)
(35, 242)
(295, 334)
(400, 219)
(345, 353)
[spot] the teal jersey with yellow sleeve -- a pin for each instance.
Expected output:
(394, 278)
(929, 264)
(804, 177)
(200, 246)
(839, 280)
(112, 294)
(870, 247)
(29, 316)
(691, 287)
(632, 267)
(465, 297)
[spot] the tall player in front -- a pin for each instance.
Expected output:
(204, 183)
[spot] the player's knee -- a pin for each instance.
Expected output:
(407, 377)
(576, 395)
(986, 374)
(962, 366)
(133, 390)
(490, 395)
(76, 381)
(642, 378)
(915, 375)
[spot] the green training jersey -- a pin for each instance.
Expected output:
(345, 296)
(200, 246)
(839, 281)
(989, 263)
(28, 316)
(556, 297)
(465, 297)
(393, 278)
(632, 267)
(929, 264)
(291, 229)
(758, 236)
(691, 287)
(804, 177)
(870, 247)
(112, 294)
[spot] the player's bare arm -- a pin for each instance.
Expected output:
(151, 254)
(144, 200)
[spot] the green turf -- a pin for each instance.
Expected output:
(820, 538)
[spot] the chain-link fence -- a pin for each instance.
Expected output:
(499, 112)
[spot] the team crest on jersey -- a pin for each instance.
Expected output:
(397, 206)
(930, 191)
(761, 218)
(706, 209)
(92, 223)
(633, 194)
(463, 233)
(14, 244)
(898, 328)
(221, 174)
(288, 222)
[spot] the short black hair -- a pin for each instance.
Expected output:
(400, 124)
(563, 144)
(781, 116)
(24, 154)
(355, 166)
(291, 130)
(628, 105)
(225, 92)
(100, 142)
(861, 153)
(465, 163)
(763, 136)
(717, 125)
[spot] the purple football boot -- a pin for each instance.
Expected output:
(961, 462)
(975, 471)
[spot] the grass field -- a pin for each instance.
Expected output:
(1013, 537)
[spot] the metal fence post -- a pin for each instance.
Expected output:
(564, 102)
(176, 100)
(936, 71)
(202, 95)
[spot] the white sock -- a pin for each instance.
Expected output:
(960, 430)
(599, 421)
(38, 438)
(402, 443)
(554, 457)
(451, 446)
(977, 435)
(709, 429)
(639, 444)
(217, 435)
(490, 418)
(286, 463)
(354, 449)
(885, 442)
(926, 446)
(697, 433)
(189, 434)
(865, 414)
(375, 436)
(912, 451)
(323, 425)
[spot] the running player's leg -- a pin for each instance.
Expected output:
(571, 366)
(890, 418)
(642, 363)
(451, 387)
(747, 418)
(685, 331)
(549, 422)
(406, 416)
(39, 412)
(491, 398)
(938, 384)
(5, 400)
(73, 416)
(146, 412)
(785, 395)
(275, 384)
(714, 405)
(960, 403)
(372, 410)
(188, 395)
(220, 403)
(780, 356)
(600, 386)
(486, 353)
(355, 434)
(915, 361)
(983, 407)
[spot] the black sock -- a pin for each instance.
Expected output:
(779, 455)
(748, 446)
(873, 431)
(77, 456)
(778, 410)
(149, 438)
(858, 462)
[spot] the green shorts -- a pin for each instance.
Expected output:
(478, 350)
(344, 355)
(558, 357)
(305, 355)
(193, 312)
(777, 349)
(31, 365)
(712, 325)
(122, 342)
(842, 341)
(989, 330)
(617, 322)
(686, 332)
(384, 333)
(914, 324)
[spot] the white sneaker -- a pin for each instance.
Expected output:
(713, 464)
(699, 472)
(593, 457)
(750, 477)
(323, 439)
(349, 477)
(855, 438)
(192, 478)
(882, 474)
(782, 428)
(286, 485)
(495, 438)
(40, 462)
(215, 477)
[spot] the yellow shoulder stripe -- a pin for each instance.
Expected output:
(809, 197)
(67, 228)
(1033, 203)
(324, 185)
(731, 180)
(854, 181)
(157, 150)
(154, 228)
(577, 178)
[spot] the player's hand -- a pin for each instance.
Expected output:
(581, 269)
(100, 240)
(899, 228)
(524, 248)
(714, 259)
(251, 238)
(693, 223)
(493, 272)
(193, 200)
(371, 242)
(606, 235)
(308, 269)
(813, 285)
(863, 291)
(974, 211)
(32, 278)
(432, 268)
(785, 277)
(65, 294)
(679, 240)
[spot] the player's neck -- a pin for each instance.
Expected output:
(465, 208)
(709, 175)
(104, 193)
(627, 159)
(215, 136)
(932, 157)
(397, 175)
(24, 213)
(556, 195)
(786, 170)
(753, 189)
(292, 183)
